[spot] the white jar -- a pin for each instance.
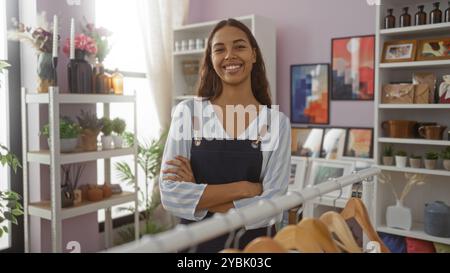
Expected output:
(177, 46)
(199, 44)
(184, 45)
(191, 44)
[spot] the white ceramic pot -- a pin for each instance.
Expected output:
(107, 142)
(430, 164)
(118, 142)
(388, 160)
(446, 164)
(400, 161)
(415, 162)
(67, 145)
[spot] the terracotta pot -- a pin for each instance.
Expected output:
(107, 192)
(446, 164)
(84, 192)
(95, 194)
(430, 164)
(388, 160)
(432, 131)
(399, 128)
(415, 162)
(89, 140)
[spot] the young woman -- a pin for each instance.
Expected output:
(230, 148)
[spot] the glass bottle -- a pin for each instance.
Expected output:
(405, 18)
(436, 14)
(79, 74)
(117, 82)
(421, 16)
(389, 20)
(102, 81)
(447, 13)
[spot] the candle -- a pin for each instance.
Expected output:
(55, 36)
(72, 39)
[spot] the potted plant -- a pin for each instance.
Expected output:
(68, 134)
(118, 126)
(415, 161)
(107, 140)
(91, 128)
(445, 155)
(400, 159)
(388, 155)
(430, 160)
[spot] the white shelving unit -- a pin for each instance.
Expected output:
(51, 209)
(437, 186)
(263, 30)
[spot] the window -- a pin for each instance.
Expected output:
(127, 54)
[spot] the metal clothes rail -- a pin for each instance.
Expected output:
(185, 236)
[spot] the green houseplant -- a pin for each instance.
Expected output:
(91, 127)
(431, 159)
(415, 161)
(401, 159)
(445, 155)
(388, 155)
(118, 126)
(68, 134)
(107, 140)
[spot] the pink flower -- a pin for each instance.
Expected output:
(82, 42)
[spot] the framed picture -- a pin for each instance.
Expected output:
(333, 143)
(321, 170)
(436, 49)
(359, 143)
(353, 66)
(306, 142)
(399, 51)
(309, 94)
(298, 172)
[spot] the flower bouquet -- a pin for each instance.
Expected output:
(101, 37)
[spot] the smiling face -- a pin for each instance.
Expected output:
(232, 56)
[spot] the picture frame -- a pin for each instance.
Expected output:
(310, 85)
(322, 170)
(298, 173)
(399, 51)
(333, 143)
(359, 143)
(353, 68)
(306, 142)
(433, 49)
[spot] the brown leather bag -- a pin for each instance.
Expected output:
(398, 93)
(422, 93)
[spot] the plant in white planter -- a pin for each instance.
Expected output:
(415, 161)
(445, 155)
(68, 134)
(107, 139)
(401, 159)
(399, 216)
(430, 160)
(388, 155)
(118, 126)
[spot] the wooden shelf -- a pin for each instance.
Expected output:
(79, 98)
(417, 64)
(418, 141)
(414, 106)
(415, 232)
(439, 172)
(43, 209)
(43, 157)
(435, 29)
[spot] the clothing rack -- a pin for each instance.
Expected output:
(185, 236)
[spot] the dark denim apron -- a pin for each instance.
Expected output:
(224, 161)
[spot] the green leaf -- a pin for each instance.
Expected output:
(8, 216)
(5, 228)
(1, 219)
(17, 212)
(1, 232)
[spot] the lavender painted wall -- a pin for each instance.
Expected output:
(304, 32)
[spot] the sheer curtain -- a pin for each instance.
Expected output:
(157, 19)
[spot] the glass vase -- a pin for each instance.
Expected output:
(79, 74)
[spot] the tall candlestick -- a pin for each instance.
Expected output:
(55, 37)
(72, 39)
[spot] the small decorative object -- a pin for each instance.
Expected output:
(389, 20)
(421, 16)
(353, 66)
(310, 94)
(101, 80)
(436, 14)
(107, 140)
(405, 18)
(430, 160)
(359, 142)
(107, 192)
(91, 128)
(41, 39)
(191, 44)
(298, 171)
(398, 93)
(399, 216)
(437, 219)
(422, 94)
(68, 133)
(77, 197)
(388, 155)
(84, 192)
(415, 161)
(117, 82)
(401, 159)
(190, 74)
(445, 155)
(118, 127)
(306, 141)
(434, 49)
(95, 193)
(199, 44)
(399, 51)
(447, 13)
(426, 78)
(444, 90)
(184, 45)
(71, 176)
(333, 143)
(399, 128)
(116, 188)
(432, 131)
(177, 46)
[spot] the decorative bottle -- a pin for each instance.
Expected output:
(389, 20)
(79, 74)
(117, 82)
(447, 13)
(436, 14)
(405, 18)
(102, 81)
(421, 16)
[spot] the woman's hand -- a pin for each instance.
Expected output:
(182, 170)
(251, 189)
